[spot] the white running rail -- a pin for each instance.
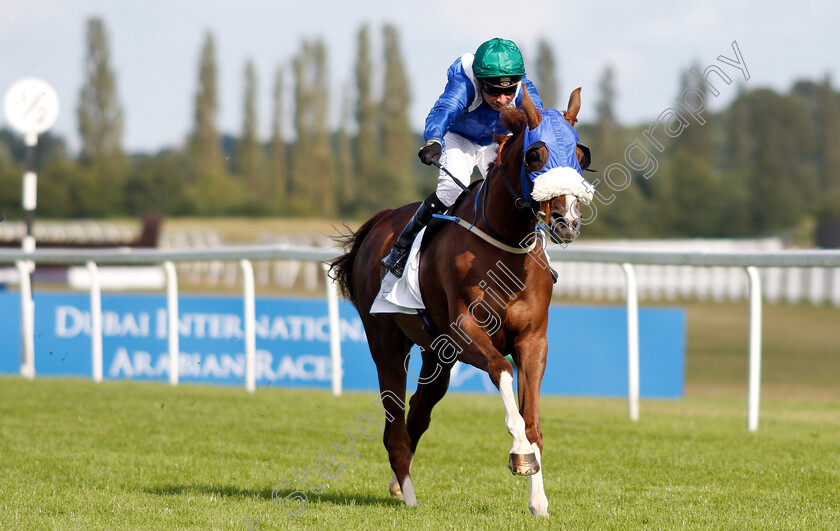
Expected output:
(626, 258)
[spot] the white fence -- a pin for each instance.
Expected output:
(815, 285)
(628, 259)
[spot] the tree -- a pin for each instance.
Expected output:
(100, 126)
(99, 112)
(739, 143)
(153, 187)
(606, 127)
(829, 147)
(397, 138)
(776, 191)
(249, 163)
(211, 189)
(696, 138)
(344, 163)
(546, 75)
(279, 160)
(367, 140)
(313, 187)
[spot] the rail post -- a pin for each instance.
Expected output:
(755, 349)
(27, 318)
(632, 341)
(335, 332)
(172, 332)
(249, 318)
(95, 321)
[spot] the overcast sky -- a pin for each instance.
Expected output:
(155, 47)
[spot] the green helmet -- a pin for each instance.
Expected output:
(498, 58)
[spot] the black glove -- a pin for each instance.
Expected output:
(430, 152)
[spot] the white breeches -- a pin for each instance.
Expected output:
(460, 156)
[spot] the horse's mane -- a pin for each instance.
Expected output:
(515, 120)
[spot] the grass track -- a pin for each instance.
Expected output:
(117, 455)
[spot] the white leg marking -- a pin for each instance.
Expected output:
(514, 422)
(394, 485)
(538, 503)
(408, 492)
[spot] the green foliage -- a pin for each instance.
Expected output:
(767, 163)
(278, 158)
(367, 139)
(156, 185)
(313, 188)
(606, 127)
(249, 164)
(99, 112)
(546, 75)
(346, 172)
(209, 187)
(397, 139)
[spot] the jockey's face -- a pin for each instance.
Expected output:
(497, 102)
(498, 97)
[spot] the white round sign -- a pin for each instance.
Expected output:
(31, 106)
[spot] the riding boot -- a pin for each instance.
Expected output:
(554, 274)
(396, 259)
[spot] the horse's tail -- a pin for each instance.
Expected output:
(341, 268)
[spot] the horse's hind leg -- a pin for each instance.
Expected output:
(389, 348)
(432, 384)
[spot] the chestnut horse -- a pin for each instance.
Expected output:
(483, 301)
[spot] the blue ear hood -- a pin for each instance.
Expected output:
(565, 173)
(559, 137)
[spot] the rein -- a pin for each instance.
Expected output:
(518, 200)
(486, 237)
(495, 239)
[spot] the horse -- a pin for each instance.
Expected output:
(490, 295)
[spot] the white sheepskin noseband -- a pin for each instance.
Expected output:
(562, 181)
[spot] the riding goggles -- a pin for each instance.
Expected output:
(495, 90)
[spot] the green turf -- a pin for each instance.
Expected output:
(120, 455)
(800, 354)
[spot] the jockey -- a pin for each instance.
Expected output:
(460, 128)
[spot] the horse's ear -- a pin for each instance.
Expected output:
(573, 108)
(534, 116)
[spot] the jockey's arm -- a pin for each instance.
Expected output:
(450, 105)
(532, 91)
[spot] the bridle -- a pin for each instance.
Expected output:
(520, 202)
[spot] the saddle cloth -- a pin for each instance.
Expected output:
(402, 295)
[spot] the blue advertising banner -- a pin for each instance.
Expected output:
(587, 344)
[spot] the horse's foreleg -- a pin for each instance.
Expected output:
(532, 356)
(538, 502)
(394, 485)
(483, 355)
(523, 461)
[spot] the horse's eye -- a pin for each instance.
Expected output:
(536, 157)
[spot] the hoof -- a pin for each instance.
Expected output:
(523, 464)
(394, 488)
(539, 511)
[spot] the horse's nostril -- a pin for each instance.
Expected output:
(558, 220)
